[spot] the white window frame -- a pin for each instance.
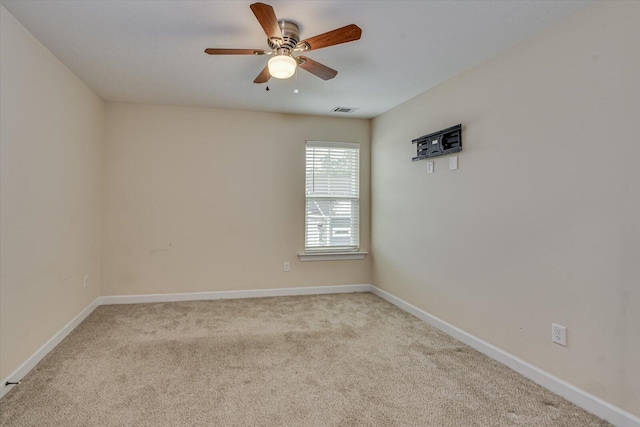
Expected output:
(330, 253)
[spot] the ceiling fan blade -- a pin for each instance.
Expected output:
(264, 76)
(267, 18)
(213, 51)
(341, 35)
(316, 68)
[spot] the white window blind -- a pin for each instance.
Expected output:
(332, 196)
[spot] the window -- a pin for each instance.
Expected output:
(332, 196)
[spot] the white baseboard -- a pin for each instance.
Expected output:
(252, 293)
(36, 357)
(589, 402)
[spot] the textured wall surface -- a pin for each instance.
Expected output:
(201, 199)
(541, 223)
(51, 194)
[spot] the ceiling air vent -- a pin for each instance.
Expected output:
(343, 110)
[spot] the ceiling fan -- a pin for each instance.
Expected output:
(283, 38)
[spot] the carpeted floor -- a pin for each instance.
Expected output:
(329, 360)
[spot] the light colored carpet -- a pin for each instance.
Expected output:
(330, 360)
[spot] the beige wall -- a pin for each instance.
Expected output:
(201, 199)
(541, 223)
(51, 156)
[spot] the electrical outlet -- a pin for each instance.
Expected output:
(286, 266)
(429, 167)
(559, 334)
(86, 280)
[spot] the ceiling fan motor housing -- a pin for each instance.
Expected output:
(290, 36)
(283, 37)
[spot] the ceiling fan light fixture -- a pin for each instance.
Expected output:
(282, 66)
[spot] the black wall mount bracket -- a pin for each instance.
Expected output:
(446, 141)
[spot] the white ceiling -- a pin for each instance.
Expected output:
(152, 51)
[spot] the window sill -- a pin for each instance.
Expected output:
(331, 256)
